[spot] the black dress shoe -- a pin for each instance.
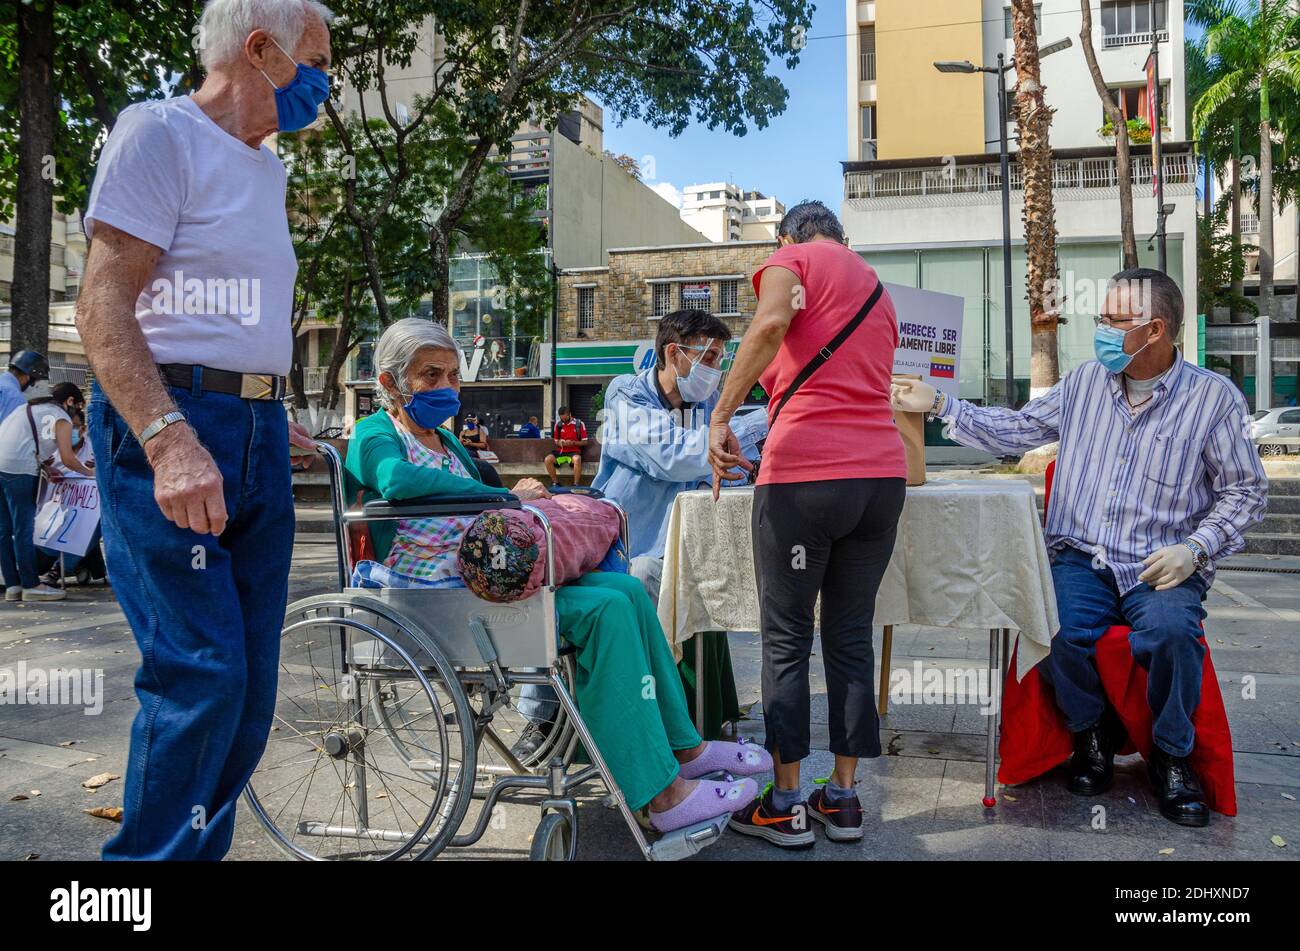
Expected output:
(531, 740)
(1179, 791)
(1092, 767)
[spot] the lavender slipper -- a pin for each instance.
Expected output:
(739, 759)
(708, 800)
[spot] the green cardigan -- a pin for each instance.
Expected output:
(376, 466)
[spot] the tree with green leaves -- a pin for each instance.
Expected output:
(499, 63)
(66, 70)
(1256, 49)
(345, 215)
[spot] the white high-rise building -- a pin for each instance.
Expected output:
(721, 211)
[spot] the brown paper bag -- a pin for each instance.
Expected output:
(911, 426)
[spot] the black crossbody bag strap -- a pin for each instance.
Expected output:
(825, 352)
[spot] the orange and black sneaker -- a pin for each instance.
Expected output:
(842, 818)
(789, 830)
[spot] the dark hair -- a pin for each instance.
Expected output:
(563, 409)
(68, 391)
(807, 220)
(683, 325)
(1164, 300)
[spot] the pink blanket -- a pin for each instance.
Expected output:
(503, 554)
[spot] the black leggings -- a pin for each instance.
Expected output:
(834, 537)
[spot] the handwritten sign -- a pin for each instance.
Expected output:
(67, 514)
(929, 336)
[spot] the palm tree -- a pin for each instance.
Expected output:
(1218, 139)
(1259, 53)
(1123, 163)
(1034, 120)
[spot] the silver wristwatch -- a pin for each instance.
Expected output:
(1199, 554)
(937, 406)
(159, 424)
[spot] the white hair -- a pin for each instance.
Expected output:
(225, 25)
(398, 346)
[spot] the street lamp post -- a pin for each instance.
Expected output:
(1004, 158)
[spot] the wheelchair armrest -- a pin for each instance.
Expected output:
(440, 505)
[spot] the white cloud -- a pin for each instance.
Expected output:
(669, 193)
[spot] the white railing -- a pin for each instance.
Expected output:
(867, 67)
(969, 179)
(1113, 40)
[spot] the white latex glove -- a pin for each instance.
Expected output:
(911, 396)
(1168, 567)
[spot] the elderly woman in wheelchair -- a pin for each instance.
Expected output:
(627, 687)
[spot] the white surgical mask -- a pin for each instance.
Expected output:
(701, 381)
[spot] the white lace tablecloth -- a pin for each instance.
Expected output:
(970, 555)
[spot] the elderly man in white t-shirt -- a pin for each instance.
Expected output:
(185, 315)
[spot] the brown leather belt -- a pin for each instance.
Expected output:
(250, 386)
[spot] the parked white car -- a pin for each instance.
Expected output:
(1276, 431)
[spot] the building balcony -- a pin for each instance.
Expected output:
(1116, 40)
(977, 182)
(313, 379)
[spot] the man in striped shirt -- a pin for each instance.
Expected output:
(1156, 479)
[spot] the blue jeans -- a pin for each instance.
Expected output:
(17, 523)
(1165, 640)
(206, 613)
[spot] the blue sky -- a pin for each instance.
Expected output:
(796, 157)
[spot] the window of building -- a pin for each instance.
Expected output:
(1132, 101)
(1038, 20)
(1132, 18)
(1011, 104)
(586, 308)
(868, 126)
(662, 299)
(695, 296)
(729, 297)
(715, 194)
(867, 54)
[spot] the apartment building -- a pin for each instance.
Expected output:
(922, 183)
(722, 211)
(67, 264)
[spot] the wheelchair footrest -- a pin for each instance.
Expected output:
(688, 841)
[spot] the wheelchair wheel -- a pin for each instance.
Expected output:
(556, 838)
(332, 783)
(547, 733)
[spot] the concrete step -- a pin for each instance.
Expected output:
(1263, 543)
(1277, 525)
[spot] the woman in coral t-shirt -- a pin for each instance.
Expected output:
(829, 493)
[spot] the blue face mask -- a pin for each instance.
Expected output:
(296, 104)
(431, 408)
(1108, 344)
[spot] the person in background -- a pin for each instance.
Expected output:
(654, 444)
(1156, 479)
(570, 437)
(187, 414)
(89, 567)
(474, 436)
(530, 429)
(25, 368)
(30, 438)
(829, 493)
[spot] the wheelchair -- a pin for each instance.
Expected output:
(396, 708)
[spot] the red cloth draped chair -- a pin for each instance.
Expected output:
(1035, 739)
